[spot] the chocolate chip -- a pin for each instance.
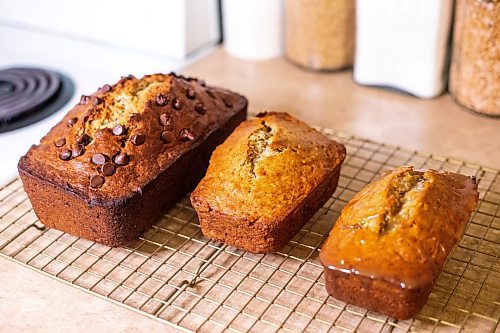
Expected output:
(72, 121)
(98, 159)
(84, 99)
(60, 142)
(161, 99)
(118, 130)
(98, 101)
(138, 139)
(128, 77)
(186, 135)
(202, 83)
(77, 150)
(167, 137)
(105, 88)
(200, 108)
(122, 159)
(108, 169)
(96, 181)
(211, 94)
(190, 94)
(177, 104)
(83, 139)
(165, 120)
(65, 155)
(227, 103)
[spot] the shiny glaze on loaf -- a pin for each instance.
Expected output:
(401, 228)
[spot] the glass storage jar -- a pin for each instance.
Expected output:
(475, 66)
(319, 34)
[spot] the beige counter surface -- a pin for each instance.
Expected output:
(334, 100)
(32, 302)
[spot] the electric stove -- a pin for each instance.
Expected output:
(28, 95)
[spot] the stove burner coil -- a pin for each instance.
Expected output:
(28, 95)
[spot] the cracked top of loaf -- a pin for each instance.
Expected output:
(401, 227)
(266, 167)
(115, 141)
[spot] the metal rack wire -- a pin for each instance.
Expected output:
(175, 275)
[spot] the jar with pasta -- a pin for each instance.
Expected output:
(320, 33)
(475, 67)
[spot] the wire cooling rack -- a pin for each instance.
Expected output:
(175, 275)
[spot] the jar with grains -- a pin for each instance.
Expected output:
(475, 67)
(320, 33)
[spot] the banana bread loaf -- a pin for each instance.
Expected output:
(392, 239)
(265, 181)
(125, 154)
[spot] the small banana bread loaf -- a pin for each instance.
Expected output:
(392, 239)
(265, 181)
(125, 154)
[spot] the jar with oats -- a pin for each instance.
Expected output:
(319, 34)
(475, 66)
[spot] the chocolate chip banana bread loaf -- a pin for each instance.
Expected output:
(392, 239)
(125, 154)
(265, 181)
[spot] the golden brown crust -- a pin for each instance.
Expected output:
(135, 105)
(149, 176)
(399, 230)
(264, 174)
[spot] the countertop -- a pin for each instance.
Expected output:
(30, 301)
(335, 101)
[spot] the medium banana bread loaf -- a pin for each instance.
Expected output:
(265, 181)
(392, 239)
(125, 154)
